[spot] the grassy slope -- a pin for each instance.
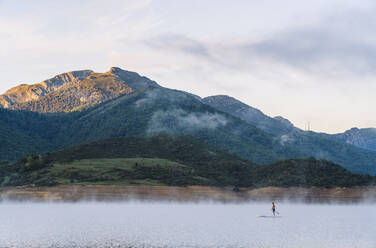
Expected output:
(180, 148)
(154, 171)
(193, 162)
(111, 171)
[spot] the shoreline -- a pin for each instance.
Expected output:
(76, 193)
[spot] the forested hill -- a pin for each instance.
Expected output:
(179, 148)
(169, 160)
(308, 172)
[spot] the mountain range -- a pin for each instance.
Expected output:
(83, 106)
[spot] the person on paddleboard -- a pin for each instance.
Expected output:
(273, 208)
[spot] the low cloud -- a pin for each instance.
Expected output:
(285, 139)
(178, 119)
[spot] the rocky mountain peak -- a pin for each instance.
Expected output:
(25, 93)
(74, 90)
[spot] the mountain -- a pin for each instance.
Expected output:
(160, 110)
(275, 126)
(318, 145)
(363, 138)
(150, 109)
(169, 160)
(74, 90)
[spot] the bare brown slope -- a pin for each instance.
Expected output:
(73, 91)
(24, 93)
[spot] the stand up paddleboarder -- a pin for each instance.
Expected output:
(273, 208)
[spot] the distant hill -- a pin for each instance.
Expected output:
(347, 152)
(169, 160)
(363, 138)
(308, 172)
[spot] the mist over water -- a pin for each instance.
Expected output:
(156, 224)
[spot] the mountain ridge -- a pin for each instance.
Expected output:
(149, 109)
(231, 105)
(360, 137)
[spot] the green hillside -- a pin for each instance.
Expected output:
(308, 172)
(163, 159)
(23, 132)
(125, 171)
(159, 110)
(177, 160)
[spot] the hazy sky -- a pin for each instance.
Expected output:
(308, 61)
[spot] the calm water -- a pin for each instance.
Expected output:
(140, 224)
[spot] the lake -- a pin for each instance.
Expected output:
(169, 224)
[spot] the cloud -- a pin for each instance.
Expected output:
(179, 119)
(342, 42)
(338, 42)
(286, 139)
(179, 43)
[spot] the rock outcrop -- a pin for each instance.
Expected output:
(74, 91)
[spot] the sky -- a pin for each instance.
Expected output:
(308, 61)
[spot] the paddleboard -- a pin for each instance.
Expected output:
(270, 216)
